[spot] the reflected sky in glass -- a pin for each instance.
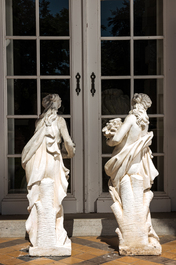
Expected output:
(54, 6)
(115, 18)
(54, 18)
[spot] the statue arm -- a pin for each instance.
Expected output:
(118, 136)
(69, 145)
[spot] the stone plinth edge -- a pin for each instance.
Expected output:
(53, 251)
(140, 251)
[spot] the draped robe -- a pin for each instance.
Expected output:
(118, 166)
(41, 158)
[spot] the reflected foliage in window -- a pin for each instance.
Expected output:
(148, 57)
(54, 18)
(22, 96)
(115, 96)
(54, 57)
(60, 87)
(148, 17)
(19, 133)
(20, 18)
(16, 176)
(115, 18)
(21, 57)
(115, 58)
(154, 89)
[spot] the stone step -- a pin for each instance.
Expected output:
(92, 224)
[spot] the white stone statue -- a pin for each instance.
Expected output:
(47, 181)
(131, 173)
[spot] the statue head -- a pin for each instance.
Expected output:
(142, 99)
(52, 101)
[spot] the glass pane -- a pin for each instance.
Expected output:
(115, 96)
(148, 17)
(21, 57)
(105, 178)
(148, 57)
(68, 162)
(115, 58)
(20, 18)
(16, 176)
(158, 184)
(154, 89)
(156, 125)
(54, 18)
(115, 18)
(60, 87)
(54, 57)
(22, 96)
(19, 133)
(106, 149)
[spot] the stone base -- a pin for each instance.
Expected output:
(53, 251)
(140, 251)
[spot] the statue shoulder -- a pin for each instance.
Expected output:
(130, 118)
(61, 120)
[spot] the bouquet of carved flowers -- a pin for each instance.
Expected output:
(111, 128)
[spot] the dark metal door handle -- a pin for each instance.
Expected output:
(93, 90)
(78, 89)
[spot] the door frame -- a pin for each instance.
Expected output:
(87, 196)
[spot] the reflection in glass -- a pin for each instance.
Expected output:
(16, 176)
(22, 96)
(54, 18)
(106, 149)
(60, 87)
(68, 162)
(54, 57)
(21, 57)
(115, 58)
(158, 184)
(115, 18)
(20, 18)
(115, 97)
(148, 57)
(148, 17)
(156, 125)
(19, 133)
(105, 178)
(154, 89)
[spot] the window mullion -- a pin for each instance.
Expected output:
(131, 49)
(38, 58)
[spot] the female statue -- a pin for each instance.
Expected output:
(132, 173)
(47, 177)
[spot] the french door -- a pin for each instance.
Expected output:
(95, 55)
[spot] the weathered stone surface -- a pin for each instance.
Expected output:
(47, 181)
(132, 173)
(51, 251)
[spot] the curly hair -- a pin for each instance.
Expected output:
(48, 101)
(142, 99)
